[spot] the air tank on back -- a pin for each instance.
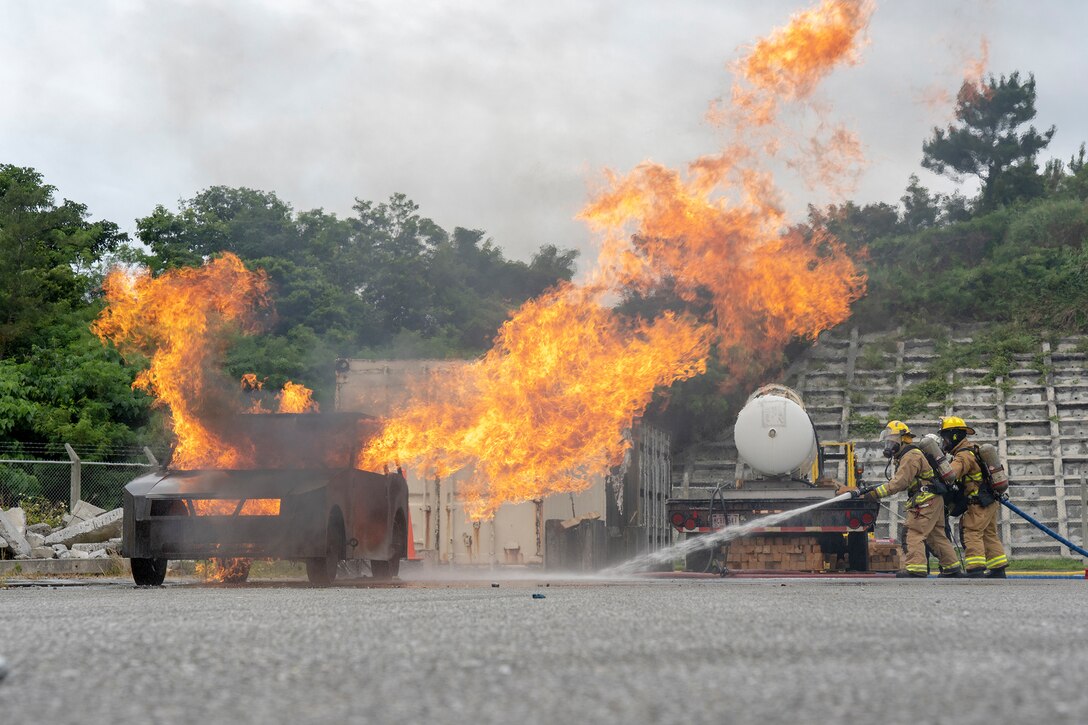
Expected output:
(773, 433)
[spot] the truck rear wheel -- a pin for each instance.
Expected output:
(148, 572)
(857, 550)
(385, 570)
(322, 572)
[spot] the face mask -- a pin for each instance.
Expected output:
(890, 448)
(948, 443)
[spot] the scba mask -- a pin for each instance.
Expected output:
(892, 443)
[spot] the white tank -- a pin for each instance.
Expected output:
(773, 433)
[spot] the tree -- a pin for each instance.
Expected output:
(920, 208)
(989, 141)
(47, 256)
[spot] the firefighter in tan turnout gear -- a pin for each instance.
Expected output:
(925, 506)
(983, 552)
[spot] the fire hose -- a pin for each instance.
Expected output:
(1042, 527)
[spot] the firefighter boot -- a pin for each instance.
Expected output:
(951, 572)
(976, 573)
(996, 573)
(910, 575)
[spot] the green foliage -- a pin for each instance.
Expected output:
(917, 399)
(872, 358)
(47, 252)
(384, 282)
(865, 426)
(43, 511)
(989, 143)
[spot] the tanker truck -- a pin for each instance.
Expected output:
(780, 467)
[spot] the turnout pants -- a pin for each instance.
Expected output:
(982, 547)
(925, 525)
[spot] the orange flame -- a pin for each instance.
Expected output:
(224, 570)
(547, 407)
(787, 65)
(179, 321)
(974, 81)
(296, 398)
(227, 507)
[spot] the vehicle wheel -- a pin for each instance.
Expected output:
(322, 572)
(148, 572)
(391, 568)
(857, 550)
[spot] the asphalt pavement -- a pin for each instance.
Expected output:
(713, 651)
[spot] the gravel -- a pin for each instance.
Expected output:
(649, 651)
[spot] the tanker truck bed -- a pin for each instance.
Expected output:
(840, 529)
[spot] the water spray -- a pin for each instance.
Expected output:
(721, 536)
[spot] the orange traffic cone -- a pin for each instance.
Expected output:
(412, 556)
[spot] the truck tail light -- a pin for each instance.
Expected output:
(866, 518)
(678, 519)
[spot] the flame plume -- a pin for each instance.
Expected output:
(788, 64)
(295, 398)
(546, 408)
(179, 321)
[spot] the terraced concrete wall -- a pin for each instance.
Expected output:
(1037, 415)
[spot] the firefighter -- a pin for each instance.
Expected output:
(925, 506)
(982, 548)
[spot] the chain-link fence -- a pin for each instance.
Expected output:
(41, 475)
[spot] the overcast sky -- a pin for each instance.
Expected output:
(489, 114)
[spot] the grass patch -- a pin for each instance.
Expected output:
(865, 426)
(1055, 563)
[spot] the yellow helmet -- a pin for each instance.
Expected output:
(952, 421)
(898, 428)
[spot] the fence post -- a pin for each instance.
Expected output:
(77, 479)
(1083, 511)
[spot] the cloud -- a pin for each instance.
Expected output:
(489, 114)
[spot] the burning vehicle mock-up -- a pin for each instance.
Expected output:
(295, 495)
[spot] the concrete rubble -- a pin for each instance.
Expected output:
(42, 529)
(83, 512)
(101, 528)
(97, 537)
(14, 539)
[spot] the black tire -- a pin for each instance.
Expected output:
(385, 570)
(857, 550)
(148, 572)
(322, 572)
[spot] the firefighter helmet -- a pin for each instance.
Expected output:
(893, 436)
(952, 421)
(953, 431)
(896, 427)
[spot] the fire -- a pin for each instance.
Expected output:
(228, 571)
(179, 321)
(296, 398)
(974, 81)
(788, 64)
(227, 507)
(547, 407)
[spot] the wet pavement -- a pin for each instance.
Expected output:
(661, 650)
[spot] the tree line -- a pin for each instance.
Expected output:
(384, 281)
